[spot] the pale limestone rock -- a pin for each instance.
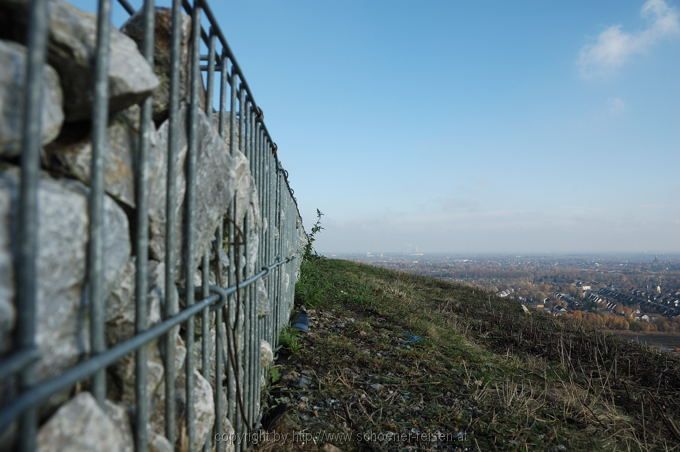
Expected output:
(80, 425)
(134, 28)
(12, 93)
(62, 236)
(218, 173)
(73, 157)
(71, 47)
(119, 417)
(266, 354)
(159, 443)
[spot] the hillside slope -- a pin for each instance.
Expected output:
(445, 366)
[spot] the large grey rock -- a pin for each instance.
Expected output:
(71, 51)
(61, 332)
(159, 443)
(120, 325)
(229, 435)
(120, 306)
(215, 176)
(81, 425)
(7, 311)
(12, 92)
(74, 156)
(204, 410)
(123, 373)
(157, 196)
(120, 418)
(197, 350)
(134, 28)
(266, 354)
(262, 298)
(226, 132)
(216, 181)
(203, 404)
(158, 396)
(246, 190)
(245, 184)
(247, 202)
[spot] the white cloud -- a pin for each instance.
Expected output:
(616, 105)
(614, 46)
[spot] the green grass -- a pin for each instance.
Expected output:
(289, 339)
(274, 374)
(485, 372)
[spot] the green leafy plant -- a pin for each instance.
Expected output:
(274, 374)
(309, 251)
(288, 338)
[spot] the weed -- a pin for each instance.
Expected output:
(309, 251)
(289, 339)
(274, 374)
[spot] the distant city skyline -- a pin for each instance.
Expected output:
(468, 127)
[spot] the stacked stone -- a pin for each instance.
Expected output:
(73, 421)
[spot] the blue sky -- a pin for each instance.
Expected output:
(487, 126)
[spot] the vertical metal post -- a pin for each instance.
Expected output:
(270, 249)
(257, 372)
(240, 422)
(142, 242)
(246, 258)
(265, 226)
(205, 265)
(288, 266)
(171, 304)
(274, 276)
(219, 346)
(278, 251)
(100, 114)
(252, 289)
(190, 170)
(210, 79)
(224, 76)
(27, 234)
(258, 265)
(282, 237)
(275, 202)
(284, 253)
(265, 219)
(270, 245)
(231, 381)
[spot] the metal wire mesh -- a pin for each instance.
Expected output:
(230, 304)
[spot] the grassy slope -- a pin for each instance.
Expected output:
(486, 373)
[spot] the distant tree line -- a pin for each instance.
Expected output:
(624, 321)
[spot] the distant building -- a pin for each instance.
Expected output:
(559, 310)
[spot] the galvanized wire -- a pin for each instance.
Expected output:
(142, 242)
(234, 311)
(100, 117)
(27, 234)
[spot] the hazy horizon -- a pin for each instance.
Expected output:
(457, 254)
